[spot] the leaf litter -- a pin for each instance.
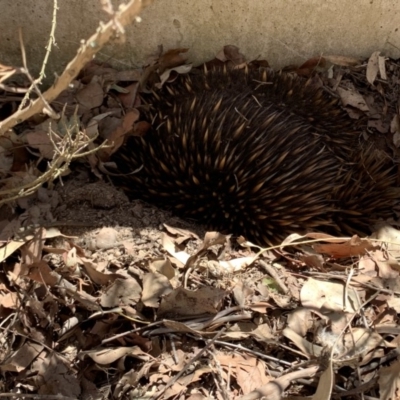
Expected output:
(105, 298)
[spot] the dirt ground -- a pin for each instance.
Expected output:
(102, 297)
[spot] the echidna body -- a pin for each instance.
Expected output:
(258, 154)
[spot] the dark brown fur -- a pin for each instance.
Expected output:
(258, 154)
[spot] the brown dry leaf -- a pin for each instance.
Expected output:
(91, 95)
(328, 296)
(131, 378)
(92, 128)
(349, 248)
(373, 67)
(121, 292)
(234, 266)
(9, 300)
(40, 140)
(32, 251)
(260, 307)
(274, 389)
(251, 377)
(242, 292)
(389, 381)
(174, 390)
(213, 238)
(128, 98)
(222, 267)
(391, 237)
(292, 238)
(173, 361)
(172, 58)
(9, 248)
(311, 65)
(395, 129)
(307, 348)
(183, 234)
(198, 396)
(392, 302)
(353, 98)
(166, 75)
(180, 301)
(54, 376)
(195, 376)
(129, 247)
(22, 358)
(140, 128)
(344, 61)
(154, 287)
(388, 268)
(367, 266)
(164, 267)
(237, 335)
(181, 327)
(263, 333)
(110, 124)
(180, 258)
(325, 384)
(314, 62)
(382, 67)
(387, 284)
(314, 261)
(41, 272)
(248, 370)
(231, 53)
(70, 258)
(98, 277)
(300, 321)
(359, 342)
(116, 138)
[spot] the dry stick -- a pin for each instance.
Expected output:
(125, 15)
(186, 367)
(271, 271)
(55, 168)
(52, 40)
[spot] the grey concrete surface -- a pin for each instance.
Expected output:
(281, 31)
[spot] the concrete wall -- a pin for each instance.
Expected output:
(281, 31)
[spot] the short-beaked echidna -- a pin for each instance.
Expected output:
(256, 153)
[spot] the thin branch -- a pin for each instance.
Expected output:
(124, 16)
(42, 74)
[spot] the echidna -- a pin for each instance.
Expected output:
(256, 153)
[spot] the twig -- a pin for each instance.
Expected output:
(218, 377)
(186, 367)
(26, 72)
(42, 74)
(125, 15)
(67, 150)
(271, 271)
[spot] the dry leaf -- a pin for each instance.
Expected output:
(154, 287)
(373, 67)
